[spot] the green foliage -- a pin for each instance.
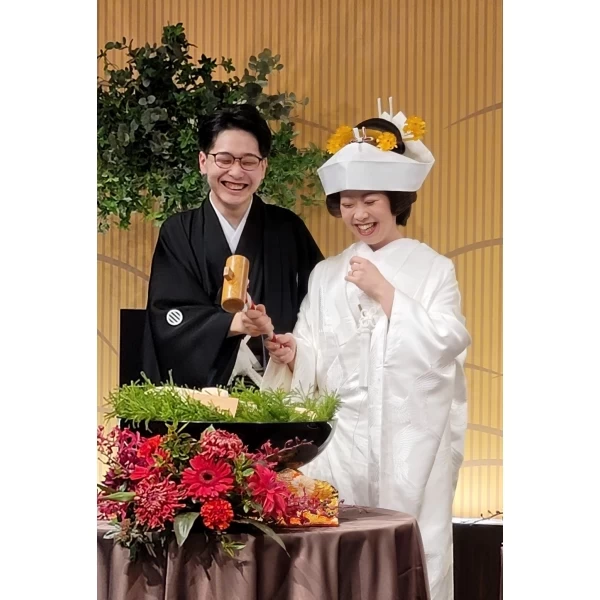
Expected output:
(268, 406)
(182, 525)
(180, 445)
(147, 129)
(146, 402)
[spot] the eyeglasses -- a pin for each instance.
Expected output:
(224, 160)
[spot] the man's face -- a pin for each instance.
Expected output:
(231, 184)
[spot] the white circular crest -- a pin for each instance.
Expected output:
(174, 317)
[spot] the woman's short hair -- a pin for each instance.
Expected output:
(400, 205)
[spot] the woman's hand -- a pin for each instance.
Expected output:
(366, 276)
(283, 351)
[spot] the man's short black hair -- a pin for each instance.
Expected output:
(238, 116)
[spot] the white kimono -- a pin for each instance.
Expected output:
(400, 432)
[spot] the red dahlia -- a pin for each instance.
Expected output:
(156, 501)
(217, 514)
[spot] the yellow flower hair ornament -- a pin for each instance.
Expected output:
(414, 129)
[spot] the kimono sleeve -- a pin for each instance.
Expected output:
(432, 336)
(423, 353)
(196, 351)
(304, 377)
(309, 255)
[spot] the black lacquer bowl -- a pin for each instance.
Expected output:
(316, 436)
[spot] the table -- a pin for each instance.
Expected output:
(477, 559)
(373, 554)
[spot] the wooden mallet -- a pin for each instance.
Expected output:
(235, 294)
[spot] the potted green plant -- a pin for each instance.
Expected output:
(148, 114)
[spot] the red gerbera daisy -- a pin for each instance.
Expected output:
(205, 479)
(217, 514)
(156, 501)
(271, 493)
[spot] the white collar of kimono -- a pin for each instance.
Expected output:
(388, 259)
(232, 234)
(365, 251)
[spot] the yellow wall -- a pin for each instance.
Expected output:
(440, 59)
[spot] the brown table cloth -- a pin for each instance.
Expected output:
(373, 554)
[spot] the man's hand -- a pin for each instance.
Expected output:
(253, 322)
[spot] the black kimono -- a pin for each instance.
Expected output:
(186, 328)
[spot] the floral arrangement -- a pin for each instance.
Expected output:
(414, 129)
(159, 487)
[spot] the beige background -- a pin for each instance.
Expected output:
(439, 59)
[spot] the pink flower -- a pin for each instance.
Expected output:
(109, 509)
(127, 449)
(272, 494)
(267, 454)
(120, 450)
(112, 480)
(205, 479)
(107, 443)
(221, 444)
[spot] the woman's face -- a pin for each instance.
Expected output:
(369, 217)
